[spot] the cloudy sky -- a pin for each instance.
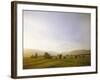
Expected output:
(56, 31)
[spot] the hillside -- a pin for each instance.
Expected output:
(52, 59)
(77, 52)
(29, 52)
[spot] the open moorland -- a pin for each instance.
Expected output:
(39, 59)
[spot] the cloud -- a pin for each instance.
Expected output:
(49, 31)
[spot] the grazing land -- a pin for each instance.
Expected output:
(46, 60)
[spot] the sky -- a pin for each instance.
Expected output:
(56, 31)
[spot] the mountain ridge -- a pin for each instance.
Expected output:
(29, 52)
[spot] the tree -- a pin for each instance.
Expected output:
(32, 56)
(36, 55)
(47, 55)
(64, 57)
(60, 56)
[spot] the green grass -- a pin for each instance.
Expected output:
(41, 62)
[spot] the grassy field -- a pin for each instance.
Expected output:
(67, 61)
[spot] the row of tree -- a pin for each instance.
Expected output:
(46, 55)
(59, 56)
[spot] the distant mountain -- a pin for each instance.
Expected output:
(29, 52)
(76, 52)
